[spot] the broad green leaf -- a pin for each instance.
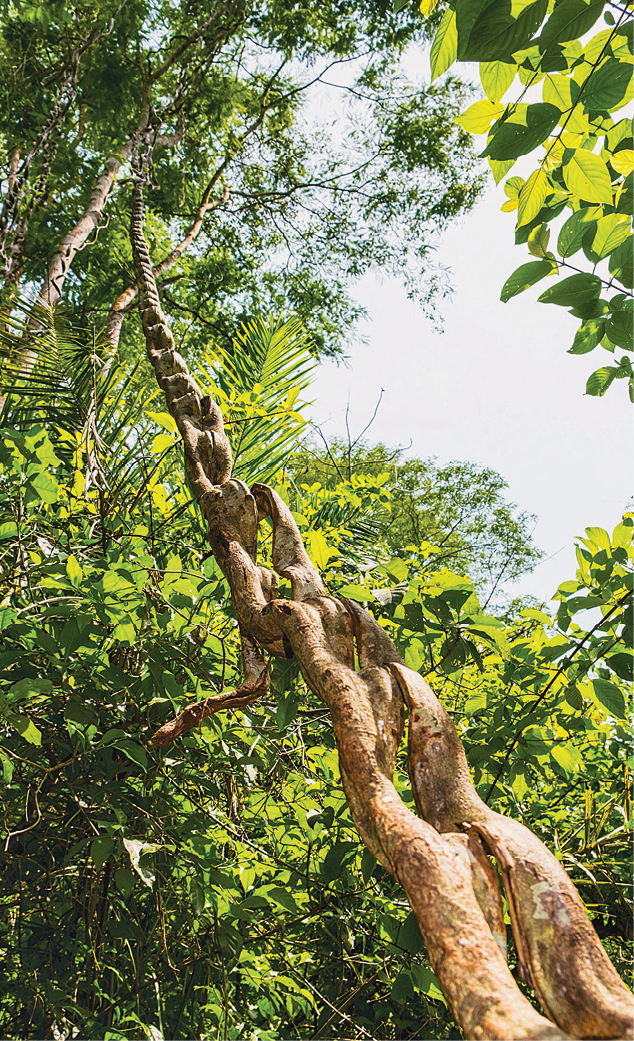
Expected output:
(426, 982)
(572, 291)
(606, 88)
(8, 530)
(335, 858)
(621, 263)
(618, 327)
(513, 187)
(532, 197)
(496, 78)
(623, 161)
(573, 696)
(588, 336)
(134, 751)
(398, 5)
(45, 486)
(124, 880)
(100, 850)
(74, 571)
(496, 33)
(356, 592)
(163, 419)
(444, 48)
(560, 91)
(570, 20)
(319, 550)
(567, 756)
(525, 276)
(283, 897)
(475, 704)
(599, 381)
(622, 664)
(500, 169)
(25, 727)
(587, 177)
(575, 228)
(538, 241)
(478, 117)
(610, 697)
(161, 443)
(511, 139)
(599, 536)
(611, 231)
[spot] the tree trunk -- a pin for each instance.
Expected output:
(440, 857)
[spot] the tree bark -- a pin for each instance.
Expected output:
(439, 857)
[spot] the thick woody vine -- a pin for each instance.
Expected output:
(442, 856)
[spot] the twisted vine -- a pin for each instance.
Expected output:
(441, 857)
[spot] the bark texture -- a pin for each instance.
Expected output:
(441, 857)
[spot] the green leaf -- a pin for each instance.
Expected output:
(124, 880)
(587, 176)
(588, 336)
(575, 228)
(611, 231)
(567, 756)
(569, 20)
(500, 170)
(100, 850)
(496, 34)
(74, 571)
(444, 48)
(572, 291)
(621, 263)
(426, 982)
(319, 550)
(572, 695)
(409, 935)
(335, 858)
(8, 530)
(607, 86)
(599, 381)
(509, 140)
(25, 728)
(283, 898)
(619, 328)
(622, 664)
(134, 751)
(475, 704)
(479, 116)
(525, 276)
(45, 487)
(561, 91)
(610, 697)
(532, 196)
(496, 78)
(356, 592)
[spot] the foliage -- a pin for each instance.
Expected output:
(299, 206)
(217, 888)
(570, 90)
(458, 509)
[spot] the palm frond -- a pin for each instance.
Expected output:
(51, 372)
(257, 388)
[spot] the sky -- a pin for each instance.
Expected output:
(496, 387)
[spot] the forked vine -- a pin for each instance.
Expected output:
(441, 857)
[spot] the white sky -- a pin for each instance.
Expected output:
(497, 387)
